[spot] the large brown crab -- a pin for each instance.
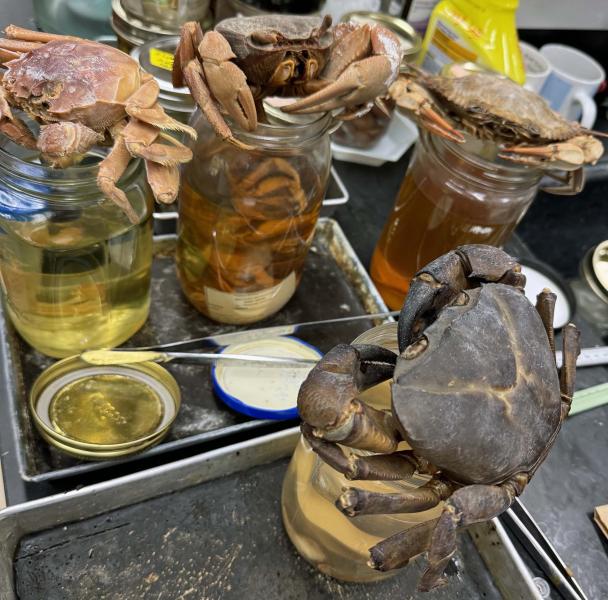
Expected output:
(495, 108)
(85, 93)
(245, 59)
(475, 394)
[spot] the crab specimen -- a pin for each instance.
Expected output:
(495, 108)
(232, 68)
(476, 394)
(85, 93)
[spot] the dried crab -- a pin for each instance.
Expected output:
(495, 108)
(475, 393)
(85, 93)
(232, 68)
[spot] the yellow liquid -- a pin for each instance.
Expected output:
(335, 544)
(66, 291)
(106, 409)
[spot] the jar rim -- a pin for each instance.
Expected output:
(280, 135)
(494, 170)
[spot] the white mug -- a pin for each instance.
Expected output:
(536, 65)
(574, 79)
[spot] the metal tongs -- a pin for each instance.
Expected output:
(521, 523)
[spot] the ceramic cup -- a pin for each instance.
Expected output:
(574, 79)
(536, 65)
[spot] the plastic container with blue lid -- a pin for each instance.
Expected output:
(263, 392)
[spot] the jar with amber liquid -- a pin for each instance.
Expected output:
(247, 216)
(335, 544)
(452, 194)
(74, 271)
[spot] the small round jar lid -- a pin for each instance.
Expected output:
(540, 276)
(263, 392)
(103, 411)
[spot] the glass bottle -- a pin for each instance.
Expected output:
(74, 271)
(452, 194)
(335, 544)
(247, 216)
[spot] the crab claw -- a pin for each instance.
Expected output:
(327, 400)
(359, 80)
(226, 81)
(442, 280)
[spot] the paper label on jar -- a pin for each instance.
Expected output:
(242, 307)
(161, 59)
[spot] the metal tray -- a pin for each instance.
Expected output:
(334, 284)
(209, 527)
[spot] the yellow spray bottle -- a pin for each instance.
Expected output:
(479, 31)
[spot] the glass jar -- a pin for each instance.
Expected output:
(452, 194)
(247, 217)
(335, 544)
(75, 272)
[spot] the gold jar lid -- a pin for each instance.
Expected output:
(411, 42)
(99, 412)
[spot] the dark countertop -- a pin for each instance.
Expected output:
(574, 479)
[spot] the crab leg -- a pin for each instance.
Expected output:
(204, 62)
(441, 281)
(143, 105)
(19, 46)
(12, 127)
(111, 169)
(545, 306)
(140, 139)
(413, 98)
(328, 398)
(357, 81)
(164, 181)
(355, 501)
(27, 35)
(571, 350)
(396, 551)
(468, 505)
(378, 467)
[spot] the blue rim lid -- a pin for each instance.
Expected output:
(256, 412)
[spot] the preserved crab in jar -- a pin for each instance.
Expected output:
(247, 216)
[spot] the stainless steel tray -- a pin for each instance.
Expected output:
(334, 284)
(209, 527)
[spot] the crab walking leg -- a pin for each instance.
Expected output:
(468, 505)
(414, 99)
(328, 398)
(143, 105)
(545, 305)
(362, 80)
(164, 181)
(571, 350)
(19, 46)
(27, 35)
(378, 467)
(12, 127)
(111, 169)
(441, 281)
(141, 140)
(396, 551)
(355, 501)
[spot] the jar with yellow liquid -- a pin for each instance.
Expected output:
(74, 271)
(335, 544)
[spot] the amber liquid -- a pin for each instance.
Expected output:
(428, 220)
(248, 243)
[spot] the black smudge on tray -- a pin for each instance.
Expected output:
(221, 539)
(331, 287)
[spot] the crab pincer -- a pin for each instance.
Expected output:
(362, 64)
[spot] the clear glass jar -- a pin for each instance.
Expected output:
(75, 273)
(335, 544)
(452, 194)
(247, 217)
